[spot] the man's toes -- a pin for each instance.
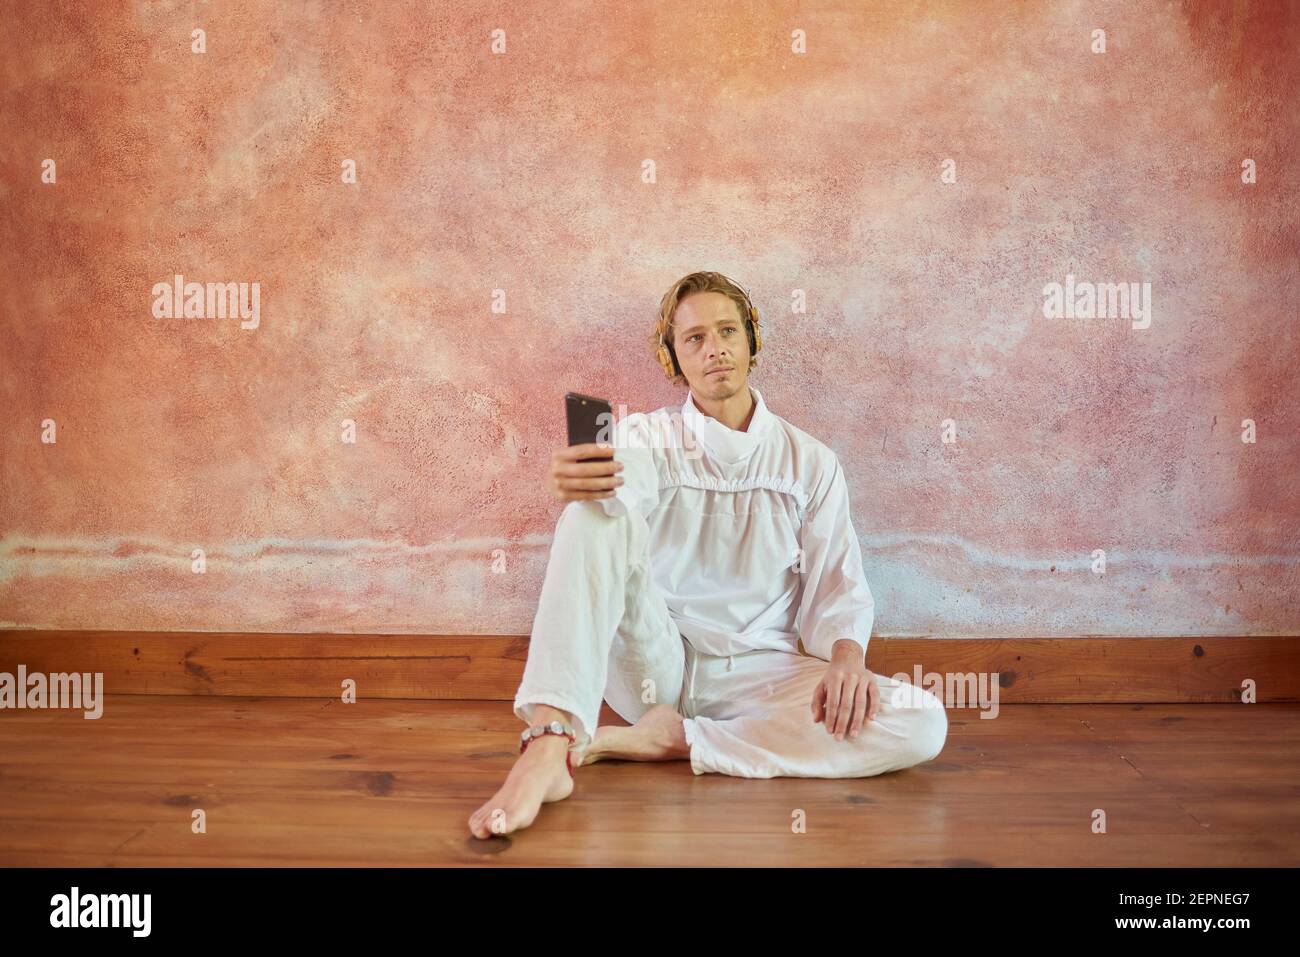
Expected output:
(480, 821)
(482, 825)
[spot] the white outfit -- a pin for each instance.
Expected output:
(694, 585)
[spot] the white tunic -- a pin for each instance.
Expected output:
(751, 540)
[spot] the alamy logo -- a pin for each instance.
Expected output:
(670, 432)
(214, 300)
(57, 690)
(1098, 300)
(102, 910)
(948, 690)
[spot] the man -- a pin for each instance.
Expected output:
(684, 574)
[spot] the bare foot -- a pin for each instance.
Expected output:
(538, 777)
(657, 736)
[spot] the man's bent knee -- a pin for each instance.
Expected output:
(922, 720)
(587, 521)
(929, 728)
(585, 512)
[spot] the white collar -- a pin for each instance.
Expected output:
(727, 444)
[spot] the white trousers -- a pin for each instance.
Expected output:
(603, 630)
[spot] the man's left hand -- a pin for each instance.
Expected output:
(846, 695)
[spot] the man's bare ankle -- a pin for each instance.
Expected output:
(548, 744)
(554, 743)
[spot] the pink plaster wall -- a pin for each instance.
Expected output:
(522, 172)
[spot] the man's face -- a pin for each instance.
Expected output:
(708, 335)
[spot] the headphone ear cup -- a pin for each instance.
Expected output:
(666, 360)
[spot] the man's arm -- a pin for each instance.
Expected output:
(836, 608)
(632, 447)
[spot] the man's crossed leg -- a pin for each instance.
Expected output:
(603, 631)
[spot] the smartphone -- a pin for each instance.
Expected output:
(590, 420)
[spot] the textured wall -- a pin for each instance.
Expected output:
(476, 171)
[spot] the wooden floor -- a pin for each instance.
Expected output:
(391, 782)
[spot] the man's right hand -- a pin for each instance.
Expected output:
(574, 481)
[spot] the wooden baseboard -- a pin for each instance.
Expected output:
(1036, 670)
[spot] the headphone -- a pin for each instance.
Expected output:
(668, 357)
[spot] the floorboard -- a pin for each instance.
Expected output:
(297, 781)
